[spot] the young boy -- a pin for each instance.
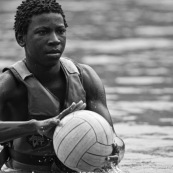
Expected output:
(37, 92)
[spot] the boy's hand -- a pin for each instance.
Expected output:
(47, 127)
(117, 153)
(74, 107)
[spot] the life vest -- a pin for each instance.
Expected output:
(41, 102)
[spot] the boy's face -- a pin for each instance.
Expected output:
(46, 39)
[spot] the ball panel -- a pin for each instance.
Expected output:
(95, 124)
(62, 131)
(63, 122)
(83, 145)
(107, 129)
(85, 167)
(94, 160)
(64, 128)
(68, 144)
(101, 150)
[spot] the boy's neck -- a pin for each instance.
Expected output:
(43, 73)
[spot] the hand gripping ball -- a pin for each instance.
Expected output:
(83, 141)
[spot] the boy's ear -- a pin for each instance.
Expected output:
(20, 39)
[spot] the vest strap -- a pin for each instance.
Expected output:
(31, 159)
(38, 160)
(22, 69)
(69, 66)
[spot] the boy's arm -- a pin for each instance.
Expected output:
(10, 129)
(96, 101)
(95, 93)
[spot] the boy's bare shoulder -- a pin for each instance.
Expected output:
(89, 74)
(91, 80)
(9, 86)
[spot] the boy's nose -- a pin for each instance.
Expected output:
(54, 39)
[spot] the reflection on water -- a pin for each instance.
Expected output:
(112, 169)
(139, 87)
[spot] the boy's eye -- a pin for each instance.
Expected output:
(61, 31)
(43, 32)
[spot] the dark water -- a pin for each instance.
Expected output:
(129, 44)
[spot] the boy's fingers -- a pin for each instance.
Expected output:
(73, 107)
(66, 111)
(54, 121)
(84, 106)
(80, 107)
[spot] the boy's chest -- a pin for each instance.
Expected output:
(58, 90)
(57, 87)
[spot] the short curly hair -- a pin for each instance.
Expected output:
(28, 8)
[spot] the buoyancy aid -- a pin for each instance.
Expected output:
(41, 102)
